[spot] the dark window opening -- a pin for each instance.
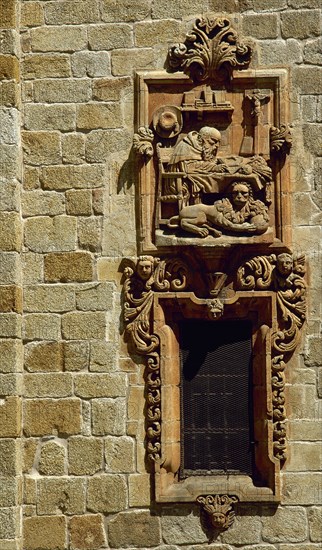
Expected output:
(216, 397)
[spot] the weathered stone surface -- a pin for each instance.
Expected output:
(76, 356)
(73, 149)
(10, 299)
(9, 67)
(32, 14)
(79, 203)
(29, 490)
(148, 34)
(10, 385)
(261, 26)
(47, 533)
(8, 491)
(41, 326)
(134, 529)
(61, 495)
(286, 525)
(9, 124)
(39, 203)
(58, 39)
(108, 37)
(52, 417)
(106, 493)
(302, 488)
(98, 296)
(313, 138)
(92, 64)
(10, 157)
(301, 24)
(86, 532)
(7, 14)
(305, 456)
(10, 231)
(49, 298)
(44, 356)
(119, 454)
(68, 267)
(139, 490)
(9, 93)
(90, 233)
(305, 430)
(83, 325)
(300, 399)
(312, 51)
(123, 61)
(48, 385)
(10, 325)
(101, 144)
(11, 352)
(36, 66)
(102, 358)
(68, 91)
(108, 416)
(72, 12)
(307, 79)
(100, 385)
(278, 52)
(68, 177)
(10, 416)
(41, 148)
(9, 457)
(45, 234)
(85, 455)
(315, 524)
(31, 178)
(50, 117)
(9, 521)
(9, 199)
(99, 115)
(29, 449)
(52, 459)
(126, 11)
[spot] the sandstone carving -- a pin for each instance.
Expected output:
(211, 49)
(280, 138)
(142, 142)
(218, 509)
(215, 308)
(236, 213)
(285, 275)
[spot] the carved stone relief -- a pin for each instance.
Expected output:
(213, 185)
(204, 131)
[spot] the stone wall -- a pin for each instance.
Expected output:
(72, 473)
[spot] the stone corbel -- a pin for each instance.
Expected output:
(218, 510)
(142, 142)
(280, 139)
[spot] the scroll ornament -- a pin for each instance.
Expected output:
(211, 49)
(142, 142)
(219, 510)
(285, 275)
(142, 279)
(280, 138)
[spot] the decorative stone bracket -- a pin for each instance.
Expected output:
(218, 509)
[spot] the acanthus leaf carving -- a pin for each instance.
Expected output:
(280, 138)
(142, 142)
(219, 510)
(211, 49)
(285, 275)
(141, 280)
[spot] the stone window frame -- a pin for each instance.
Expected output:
(259, 286)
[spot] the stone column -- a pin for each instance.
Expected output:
(10, 280)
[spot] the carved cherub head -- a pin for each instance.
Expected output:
(209, 139)
(215, 308)
(145, 267)
(284, 264)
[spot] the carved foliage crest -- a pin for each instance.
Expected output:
(211, 49)
(219, 510)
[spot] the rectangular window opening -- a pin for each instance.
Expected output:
(216, 397)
